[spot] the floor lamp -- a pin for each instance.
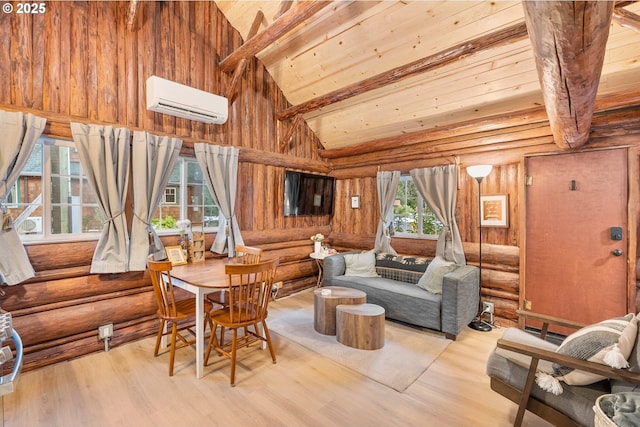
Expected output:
(479, 172)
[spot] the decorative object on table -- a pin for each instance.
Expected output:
(317, 242)
(196, 247)
(494, 211)
(479, 172)
(184, 227)
(176, 255)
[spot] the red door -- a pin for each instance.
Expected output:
(574, 268)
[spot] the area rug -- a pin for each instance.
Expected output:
(407, 352)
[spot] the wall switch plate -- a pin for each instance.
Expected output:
(105, 331)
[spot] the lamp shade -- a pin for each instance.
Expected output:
(479, 171)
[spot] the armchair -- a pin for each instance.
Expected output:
(518, 355)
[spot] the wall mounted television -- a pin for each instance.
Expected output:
(307, 194)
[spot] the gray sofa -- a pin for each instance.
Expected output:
(397, 291)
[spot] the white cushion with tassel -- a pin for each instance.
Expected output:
(608, 342)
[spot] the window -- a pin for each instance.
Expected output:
(170, 196)
(186, 197)
(411, 215)
(52, 197)
(13, 198)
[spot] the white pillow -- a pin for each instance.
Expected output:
(362, 264)
(608, 342)
(431, 280)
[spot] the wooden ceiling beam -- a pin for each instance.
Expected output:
(626, 19)
(281, 26)
(569, 40)
(232, 89)
(290, 130)
(507, 35)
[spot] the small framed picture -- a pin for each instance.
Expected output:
(355, 202)
(175, 255)
(494, 211)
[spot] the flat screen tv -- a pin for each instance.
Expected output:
(307, 194)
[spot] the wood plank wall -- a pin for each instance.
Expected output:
(78, 61)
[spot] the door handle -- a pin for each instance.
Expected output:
(617, 252)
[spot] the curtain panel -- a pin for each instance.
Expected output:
(105, 156)
(19, 134)
(387, 183)
(220, 167)
(438, 186)
(153, 159)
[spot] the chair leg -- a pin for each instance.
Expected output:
(234, 345)
(159, 337)
(267, 336)
(213, 341)
(526, 392)
(174, 333)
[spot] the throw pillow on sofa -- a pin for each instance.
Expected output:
(431, 280)
(362, 264)
(608, 342)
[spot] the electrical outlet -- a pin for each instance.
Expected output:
(487, 307)
(105, 331)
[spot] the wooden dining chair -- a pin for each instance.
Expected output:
(244, 255)
(178, 314)
(249, 291)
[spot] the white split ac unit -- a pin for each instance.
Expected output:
(167, 97)
(31, 225)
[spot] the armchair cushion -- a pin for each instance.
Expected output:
(609, 342)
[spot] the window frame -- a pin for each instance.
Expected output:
(46, 205)
(184, 200)
(421, 205)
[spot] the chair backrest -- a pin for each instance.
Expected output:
(160, 272)
(250, 289)
(248, 254)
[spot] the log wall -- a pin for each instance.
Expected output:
(80, 62)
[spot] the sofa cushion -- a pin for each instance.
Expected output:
(608, 342)
(432, 278)
(412, 263)
(361, 265)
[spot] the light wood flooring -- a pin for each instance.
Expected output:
(127, 386)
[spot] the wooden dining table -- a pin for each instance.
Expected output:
(201, 278)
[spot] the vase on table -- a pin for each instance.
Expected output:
(317, 247)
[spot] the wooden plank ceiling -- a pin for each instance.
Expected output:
(362, 71)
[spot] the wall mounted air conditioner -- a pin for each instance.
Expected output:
(31, 225)
(167, 97)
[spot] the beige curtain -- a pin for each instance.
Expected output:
(19, 133)
(220, 167)
(153, 159)
(438, 186)
(387, 183)
(105, 155)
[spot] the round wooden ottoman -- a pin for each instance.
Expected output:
(325, 301)
(360, 326)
